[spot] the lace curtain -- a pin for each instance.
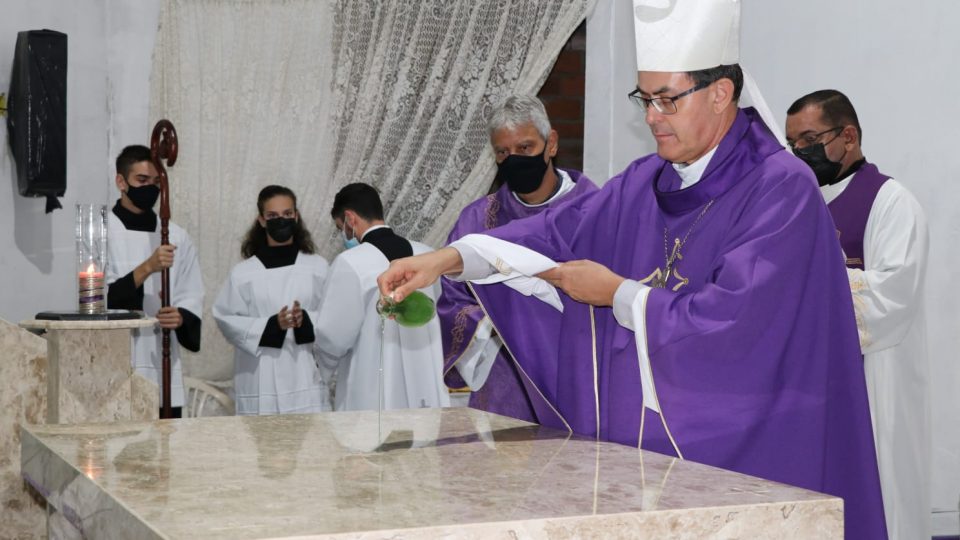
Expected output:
(413, 85)
(317, 94)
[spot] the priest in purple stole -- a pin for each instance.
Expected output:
(883, 233)
(524, 146)
(697, 304)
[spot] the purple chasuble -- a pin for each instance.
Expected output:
(753, 342)
(851, 209)
(506, 390)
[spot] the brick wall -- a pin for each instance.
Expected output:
(562, 94)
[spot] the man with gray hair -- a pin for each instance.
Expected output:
(524, 146)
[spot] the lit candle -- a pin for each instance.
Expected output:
(91, 290)
(91, 273)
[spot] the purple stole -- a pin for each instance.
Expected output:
(851, 209)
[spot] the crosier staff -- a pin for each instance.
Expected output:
(163, 146)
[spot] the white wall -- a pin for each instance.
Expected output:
(109, 46)
(614, 131)
(897, 63)
(131, 33)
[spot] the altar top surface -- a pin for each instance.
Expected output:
(450, 471)
(91, 324)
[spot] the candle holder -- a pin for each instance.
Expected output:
(91, 258)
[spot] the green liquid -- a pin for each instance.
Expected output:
(415, 310)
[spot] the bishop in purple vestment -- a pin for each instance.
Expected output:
(524, 145)
(713, 271)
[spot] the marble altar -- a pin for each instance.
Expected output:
(434, 473)
(23, 400)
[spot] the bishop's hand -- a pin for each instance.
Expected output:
(585, 281)
(411, 273)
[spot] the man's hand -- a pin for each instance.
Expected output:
(169, 317)
(411, 273)
(584, 281)
(161, 258)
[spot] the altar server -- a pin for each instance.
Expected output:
(267, 307)
(348, 327)
(136, 260)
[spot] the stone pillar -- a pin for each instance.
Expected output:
(89, 376)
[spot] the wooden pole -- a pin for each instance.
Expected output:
(163, 146)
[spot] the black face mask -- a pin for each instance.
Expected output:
(522, 174)
(143, 197)
(281, 229)
(815, 156)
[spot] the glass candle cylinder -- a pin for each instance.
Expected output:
(91, 257)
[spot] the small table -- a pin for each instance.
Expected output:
(89, 375)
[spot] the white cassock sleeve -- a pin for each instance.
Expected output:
(187, 288)
(340, 317)
(886, 294)
(232, 313)
(319, 280)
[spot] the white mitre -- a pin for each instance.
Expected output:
(689, 35)
(686, 35)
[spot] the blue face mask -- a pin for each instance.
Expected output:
(348, 242)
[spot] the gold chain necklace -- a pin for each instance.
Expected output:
(671, 259)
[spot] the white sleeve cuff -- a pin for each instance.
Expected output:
(623, 300)
(629, 308)
(474, 266)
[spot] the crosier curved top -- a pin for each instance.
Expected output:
(164, 146)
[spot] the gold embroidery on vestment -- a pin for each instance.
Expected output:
(493, 206)
(458, 331)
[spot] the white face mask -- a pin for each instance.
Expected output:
(348, 242)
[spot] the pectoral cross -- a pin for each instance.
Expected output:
(660, 282)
